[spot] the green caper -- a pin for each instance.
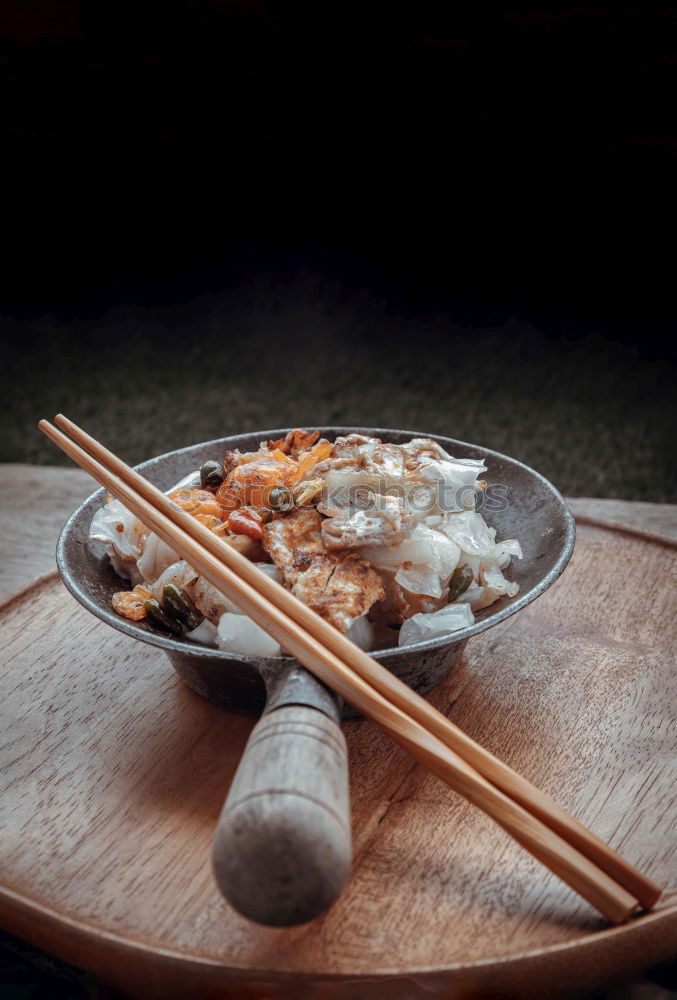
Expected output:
(461, 579)
(211, 475)
(177, 603)
(280, 498)
(160, 617)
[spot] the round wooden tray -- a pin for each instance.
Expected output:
(113, 774)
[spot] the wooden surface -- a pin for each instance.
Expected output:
(653, 521)
(51, 495)
(113, 775)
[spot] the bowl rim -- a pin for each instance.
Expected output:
(172, 645)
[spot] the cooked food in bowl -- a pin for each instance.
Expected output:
(382, 540)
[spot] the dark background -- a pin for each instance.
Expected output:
(219, 216)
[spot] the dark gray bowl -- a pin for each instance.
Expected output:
(534, 513)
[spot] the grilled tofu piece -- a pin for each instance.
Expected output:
(340, 589)
(339, 586)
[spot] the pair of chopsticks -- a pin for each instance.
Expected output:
(531, 817)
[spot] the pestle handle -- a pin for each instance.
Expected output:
(282, 846)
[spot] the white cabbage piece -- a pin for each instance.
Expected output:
(179, 573)
(424, 449)
(433, 520)
(494, 579)
(455, 482)
(128, 541)
(422, 627)
(478, 597)
(482, 553)
(361, 632)
(206, 633)
(470, 532)
(271, 570)
(503, 552)
(421, 472)
(210, 601)
(486, 557)
(123, 535)
(455, 479)
(156, 558)
(380, 521)
(239, 634)
(423, 562)
(349, 488)
(117, 527)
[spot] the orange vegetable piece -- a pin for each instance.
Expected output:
(279, 456)
(316, 454)
(130, 603)
(197, 502)
(294, 441)
(282, 444)
(302, 440)
(250, 484)
(246, 522)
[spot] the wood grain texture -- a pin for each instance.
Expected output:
(653, 521)
(113, 774)
(288, 809)
(29, 543)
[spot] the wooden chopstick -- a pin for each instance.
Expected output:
(574, 868)
(494, 770)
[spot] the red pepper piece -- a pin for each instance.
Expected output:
(245, 522)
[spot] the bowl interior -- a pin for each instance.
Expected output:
(519, 503)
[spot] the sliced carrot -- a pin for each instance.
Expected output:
(279, 456)
(317, 453)
(244, 522)
(196, 501)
